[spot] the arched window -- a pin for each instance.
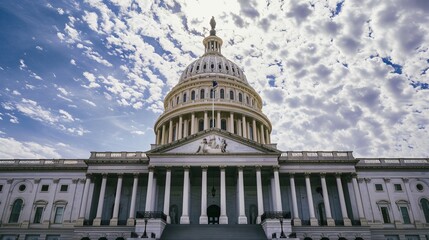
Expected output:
(231, 95)
(247, 100)
(193, 95)
(177, 100)
(240, 97)
(16, 211)
(222, 93)
(184, 97)
(211, 93)
(223, 124)
(425, 207)
(201, 125)
(202, 93)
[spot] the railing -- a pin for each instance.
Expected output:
(42, 162)
(392, 161)
(117, 155)
(317, 155)
(154, 215)
(275, 215)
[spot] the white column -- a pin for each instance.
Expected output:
(218, 125)
(242, 219)
(239, 127)
(167, 194)
(346, 219)
(184, 219)
(296, 219)
(203, 217)
(223, 219)
(163, 139)
(114, 220)
(131, 218)
(148, 205)
(97, 220)
(278, 196)
(362, 218)
(83, 206)
(243, 122)
(179, 136)
(255, 135)
(231, 122)
(192, 123)
(262, 134)
(259, 193)
(267, 135)
(248, 130)
(176, 137)
(206, 121)
(186, 128)
(330, 221)
(157, 137)
(313, 219)
(170, 132)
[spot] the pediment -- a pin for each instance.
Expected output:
(213, 141)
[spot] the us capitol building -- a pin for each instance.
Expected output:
(213, 173)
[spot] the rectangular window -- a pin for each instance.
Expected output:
(385, 213)
(405, 215)
(59, 215)
(38, 215)
(1, 188)
(64, 188)
(32, 237)
(412, 237)
(378, 187)
(398, 187)
(9, 237)
(45, 188)
(53, 237)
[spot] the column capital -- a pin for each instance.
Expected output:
(75, 180)
(353, 175)
(10, 180)
(186, 167)
(222, 167)
(323, 174)
(307, 174)
(56, 180)
(386, 180)
(37, 180)
(168, 167)
(88, 175)
(258, 167)
(82, 180)
(367, 180)
(405, 180)
(360, 180)
(292, 174)
(276, 167)
(151, 168)
(338, 174)
(204, 167)
(136, 175)
(240, 167)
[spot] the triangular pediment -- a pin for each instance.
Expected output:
(213, 141)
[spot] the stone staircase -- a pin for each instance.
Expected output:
(213, 232)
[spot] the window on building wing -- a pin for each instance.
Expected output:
(16, 211)
(425, 208)
(59, 213)
(38, 214)
(378, 187)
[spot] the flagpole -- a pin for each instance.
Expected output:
(213, 89)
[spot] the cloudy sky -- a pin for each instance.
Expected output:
(81, 76)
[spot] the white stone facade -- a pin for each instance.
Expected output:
(213, 162)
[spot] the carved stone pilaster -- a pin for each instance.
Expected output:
(37, 180)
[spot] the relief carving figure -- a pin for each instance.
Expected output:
(214, 145)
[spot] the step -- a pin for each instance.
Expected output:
(213, 232)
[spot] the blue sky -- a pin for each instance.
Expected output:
(81, 76)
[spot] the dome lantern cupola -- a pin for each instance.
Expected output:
(212, 43)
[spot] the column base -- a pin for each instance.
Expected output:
(96, 222)
(184, 220)
(80, 222)
(363, 222)
(242, 220)
(314, 222)
(204, 220)
(347, 222)
(131, 222)
(297, 222)
(223, 220)
(113, 222)
(330, 222)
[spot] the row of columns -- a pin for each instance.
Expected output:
(259, 133)
(242, 219)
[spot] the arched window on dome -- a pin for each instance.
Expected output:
(425, 207)
(16, 211)
(231, 95)
(212, 93)
(198, 67)
(193, 95)
(177, 100)
(202, 93)
(223, 124)
(220, 66)
(200, 125)
(240, 97)
(222, 93)
(227, 68)
(184, 97)
(247, 100)
(212, 66)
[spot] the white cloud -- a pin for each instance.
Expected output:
(89, 102)
(15, 92)
(66, 116)
(39, 48)
(11, 148)
(73, 62)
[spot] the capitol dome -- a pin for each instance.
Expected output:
(212, 92)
